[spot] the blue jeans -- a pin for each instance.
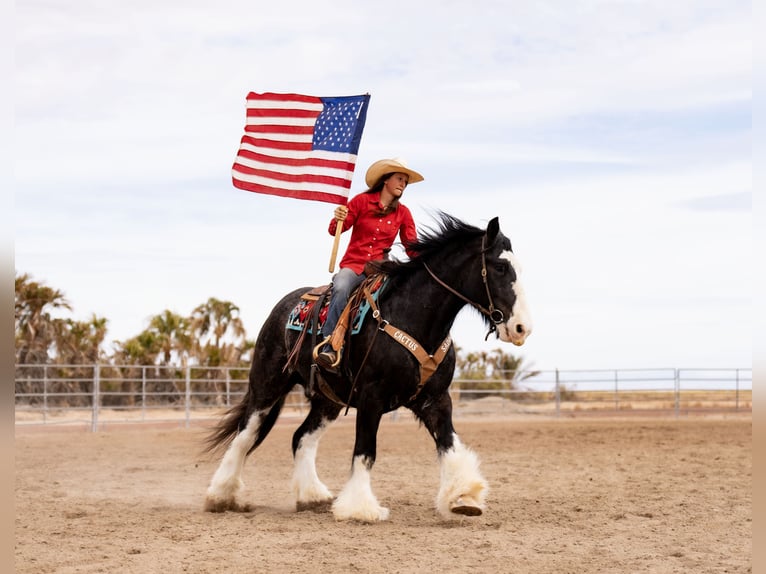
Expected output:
(343, 283)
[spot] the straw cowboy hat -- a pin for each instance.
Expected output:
(386, 166)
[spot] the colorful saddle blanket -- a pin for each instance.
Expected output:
(301, 313)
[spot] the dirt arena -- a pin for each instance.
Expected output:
(567, 496)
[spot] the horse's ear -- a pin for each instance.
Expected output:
(493, 229)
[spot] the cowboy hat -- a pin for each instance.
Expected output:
(386, 166)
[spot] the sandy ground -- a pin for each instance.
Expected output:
(567, 496)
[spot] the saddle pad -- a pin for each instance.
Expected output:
(301, 313)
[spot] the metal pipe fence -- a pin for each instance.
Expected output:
(99, 395)
(678, 391)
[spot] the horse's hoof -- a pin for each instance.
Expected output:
(218, 505)
(466, 510)
(314, 505)
(368, 515)
(379, 515)
(465, 507)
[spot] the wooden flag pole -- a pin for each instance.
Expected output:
(338, 231)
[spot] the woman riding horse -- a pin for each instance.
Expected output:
(377, 217)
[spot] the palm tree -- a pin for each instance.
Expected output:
(35, 329)
(219, 332)
(510, 368)
(79, 342)
(143, 349)
(221, 339)
(166, 340)
(78, 349)
(173, 335)
(468, 365)
(490, 373)
(133, 356)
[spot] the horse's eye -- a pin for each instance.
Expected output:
(501, 267)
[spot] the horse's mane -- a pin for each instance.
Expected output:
(447, 230)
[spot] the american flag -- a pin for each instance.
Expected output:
(299, 146)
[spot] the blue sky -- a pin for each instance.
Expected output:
(612, 139)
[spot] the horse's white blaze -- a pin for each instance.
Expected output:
(307, 487)
(518, 326)
(227, 481)
(460, 479)
(356, 501)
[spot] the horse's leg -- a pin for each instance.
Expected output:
(249, 423)
(356, 501)
(227, 480)
(463, 489)
(310, 493)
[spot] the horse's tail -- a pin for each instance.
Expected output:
(234, 420)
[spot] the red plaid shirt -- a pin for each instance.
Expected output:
(372, 234)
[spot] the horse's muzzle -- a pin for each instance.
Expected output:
(515, 332)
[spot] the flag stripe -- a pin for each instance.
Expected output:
(298, 145)
(286, 129)
(270, 99)
(251, 158)
(253, 113)
(294, 177)
(329, 197)
(266, 180)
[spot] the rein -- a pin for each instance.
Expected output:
(495, 316)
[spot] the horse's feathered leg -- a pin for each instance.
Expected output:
(227, 482)
(310, 493)
(356, 501)
(255, 425)
(463, 489)
(247, 424)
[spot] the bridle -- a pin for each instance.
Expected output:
(494, 315)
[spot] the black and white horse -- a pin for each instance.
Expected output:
(457, 264)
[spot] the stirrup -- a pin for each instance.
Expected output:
(338, 353)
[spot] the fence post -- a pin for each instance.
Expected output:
(616, 391)
(45, 394)
(558, 395)
(143, 393)
(736, 399)
(188, 395)
(677, 390)
(96, 397)
(228, 387)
